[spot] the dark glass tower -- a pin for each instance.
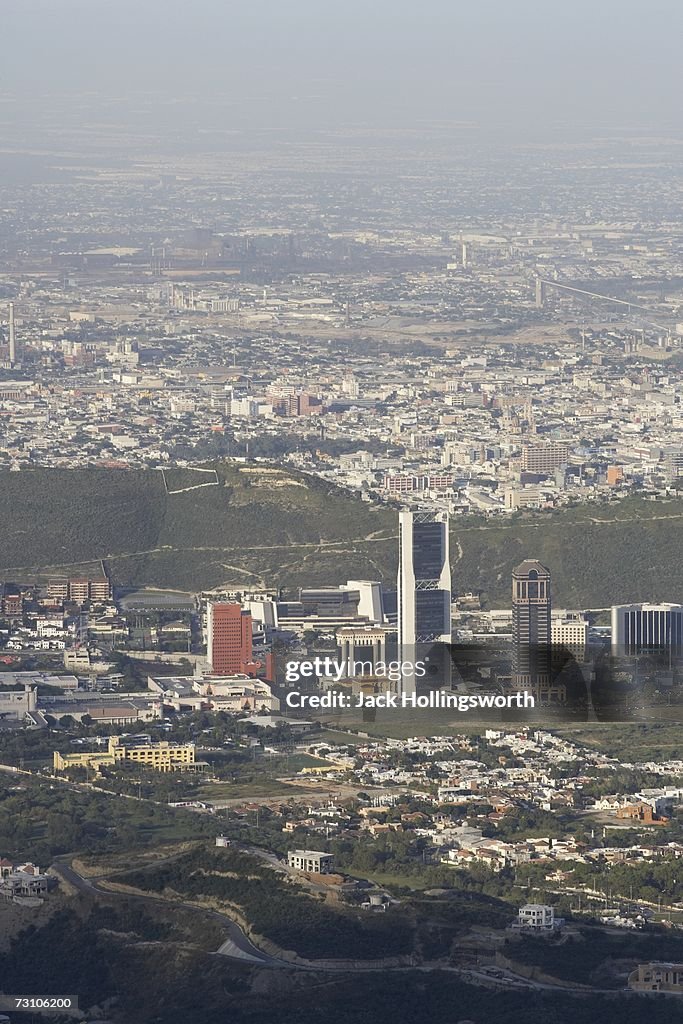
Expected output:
(424, 586)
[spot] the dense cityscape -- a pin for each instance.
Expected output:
(486, 361)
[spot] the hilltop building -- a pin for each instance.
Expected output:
(657, 977)
(537, 917)
(310, 861)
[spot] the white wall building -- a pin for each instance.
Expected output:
(642, 627)
(311, 861)
(537, 917)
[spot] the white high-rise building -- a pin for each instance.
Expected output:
(569, 629)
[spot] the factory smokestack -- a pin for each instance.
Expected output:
(12, 337)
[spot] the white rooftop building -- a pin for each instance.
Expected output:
(537, 917)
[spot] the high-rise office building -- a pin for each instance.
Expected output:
(531, 627)
(424, 579)
(637, 628)
(673, 463)
(544, 457)
(229, 639)
(424, 589)
(569, 633)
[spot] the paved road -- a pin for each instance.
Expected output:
(237, 945)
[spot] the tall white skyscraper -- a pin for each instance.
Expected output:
(424, 585)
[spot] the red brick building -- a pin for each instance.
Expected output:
(230, 639)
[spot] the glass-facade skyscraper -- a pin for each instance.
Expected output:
(424, 584)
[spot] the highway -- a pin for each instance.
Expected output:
(545, 283)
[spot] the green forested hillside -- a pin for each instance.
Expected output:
(273, 527)
(598, 555)
(259, 525)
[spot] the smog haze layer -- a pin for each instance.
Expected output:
(520, 71)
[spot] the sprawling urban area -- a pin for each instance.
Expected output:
(341, 612)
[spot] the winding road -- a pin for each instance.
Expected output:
(237, 945)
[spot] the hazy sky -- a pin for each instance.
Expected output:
(298, 63)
